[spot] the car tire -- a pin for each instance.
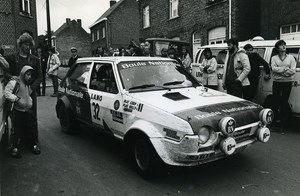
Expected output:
(68, 124)
(6, 141)
(146, 160)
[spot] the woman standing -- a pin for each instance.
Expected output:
(186, 59)
(284, 68)
(209, 69)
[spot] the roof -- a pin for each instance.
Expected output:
(64, 26)
(123, 58)
(168, 40)
(107, 13)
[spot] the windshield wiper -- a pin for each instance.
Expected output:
(173, 83)
(142, 86)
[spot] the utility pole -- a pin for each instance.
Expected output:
(48, 23)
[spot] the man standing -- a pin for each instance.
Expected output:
(52, 67)
(16, 63)
(255, 61)
(236, 69)
(43, 60)
(74, 57)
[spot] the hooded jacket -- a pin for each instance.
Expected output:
(21, 97)
(241, 67)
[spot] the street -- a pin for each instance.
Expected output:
(93, 163)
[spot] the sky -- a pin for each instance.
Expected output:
(86, 10)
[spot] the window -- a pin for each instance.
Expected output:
(294, 27)
(296, 54)
(298, 28)
(98, 34)
(217, 35)
(146, 17)
(103, 79)
(285, 29)
(93, 37)
(173, 8)
(103, 32)
(80, 75)
(25, 7)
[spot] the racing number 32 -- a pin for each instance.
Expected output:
(96, 110)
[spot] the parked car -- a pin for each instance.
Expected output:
(159, 110)
(265, 48)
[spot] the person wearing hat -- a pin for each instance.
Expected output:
(16, 62)
(52, 67)
(74, 57)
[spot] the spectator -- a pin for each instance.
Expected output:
(74, 57)
(236, 69)
(18, 92)
(43, 62)
(52, 67)
(283, 67)
(16, 63)
(186, 59)
(164, 52)
(99, 52)
(255, 61)
(209, 69)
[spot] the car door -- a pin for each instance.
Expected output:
(106, 100)
(77, 91)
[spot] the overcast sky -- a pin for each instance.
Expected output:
(86, 10)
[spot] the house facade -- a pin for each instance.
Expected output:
(200, 22)
(16, 17)
(71, 34)
(117, 26)
(280, 19)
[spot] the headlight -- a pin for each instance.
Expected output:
(203, 135)
(266, 116)
(227, 125)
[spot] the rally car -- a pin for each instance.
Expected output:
(160, 111)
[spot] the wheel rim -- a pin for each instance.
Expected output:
(141, 153)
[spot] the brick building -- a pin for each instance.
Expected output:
(16, 17)
(71, 34)
(117, 26)
(199, 21)
(280, 19)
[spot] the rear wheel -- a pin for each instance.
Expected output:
(67, 122)
(6, 141)
(146, 159)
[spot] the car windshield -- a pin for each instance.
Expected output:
(154, 75)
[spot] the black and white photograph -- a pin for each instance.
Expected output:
(149, 97)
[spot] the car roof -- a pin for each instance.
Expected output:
(123, 58)
(262, 43)
(168, 40)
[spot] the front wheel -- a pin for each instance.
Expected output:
(67, 122)
(146, 159)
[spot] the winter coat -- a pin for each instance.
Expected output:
(209, 78)
(53, 65)
(21, 97)
(241, 67)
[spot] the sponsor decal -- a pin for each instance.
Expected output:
(74, 93)
(117, 116)
(127, 65)
(96, 97)
(129, 106)
(117, 105)
(225, 111)
(171, 134)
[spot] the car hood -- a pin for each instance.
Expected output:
(200, 107)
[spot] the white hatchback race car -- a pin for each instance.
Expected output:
(159, 110)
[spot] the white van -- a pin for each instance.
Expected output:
(266, 49)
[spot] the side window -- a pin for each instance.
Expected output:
(79, 75)
(219, 54)
(260, 51)
(295, 53)
(103, 79)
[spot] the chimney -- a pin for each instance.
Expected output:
(68, 21)
(79, 22)
(112, 2)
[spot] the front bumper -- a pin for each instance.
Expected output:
(189, 152)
